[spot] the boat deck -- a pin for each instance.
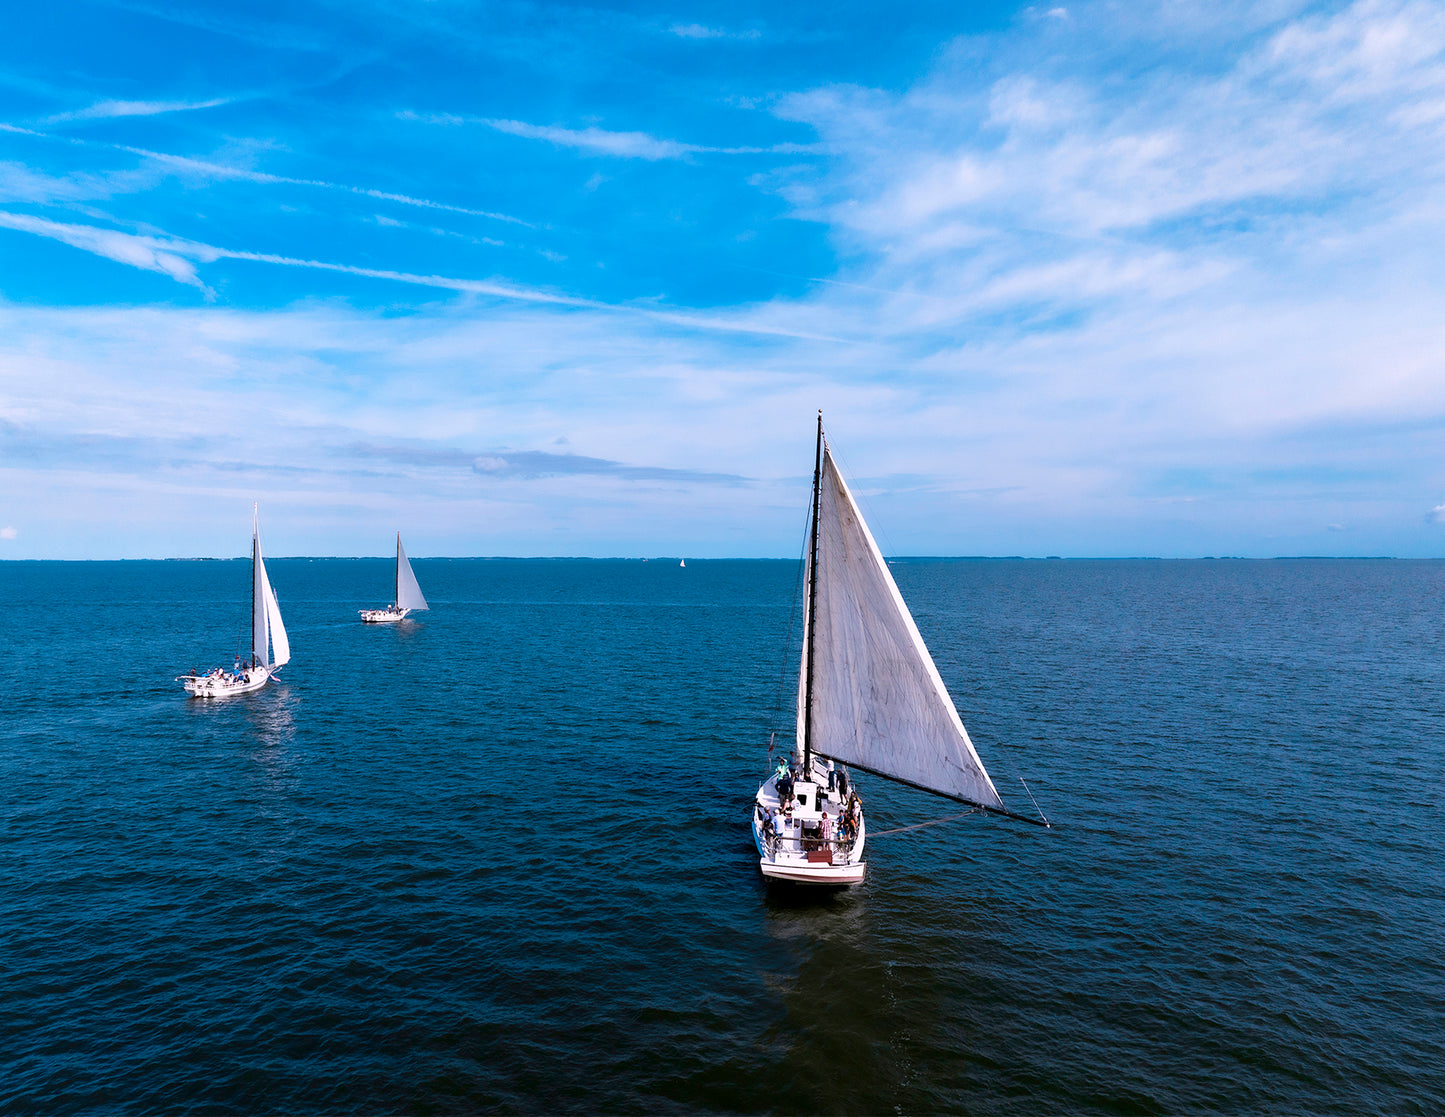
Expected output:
(796, 850)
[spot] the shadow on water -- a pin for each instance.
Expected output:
(862, 1014)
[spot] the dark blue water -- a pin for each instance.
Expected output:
(498, 859)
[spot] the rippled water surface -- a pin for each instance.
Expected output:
(498, 859)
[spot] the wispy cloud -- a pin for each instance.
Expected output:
(146, 253)
(105, 110)
(598, 141)
(177, 258)
(700, 31)
(629, 145)
(537, 464)
(1158, 279)
(184, 164)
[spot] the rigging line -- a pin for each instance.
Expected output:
(788, 654)
(921, 825)
(1035, 802)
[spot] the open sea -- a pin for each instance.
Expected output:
(497, 858)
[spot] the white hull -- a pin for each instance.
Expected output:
(389, 615)
(793, 853)
(225, 684)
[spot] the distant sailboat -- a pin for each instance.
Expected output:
(270, 649)
(869, 696)
(408, 593)
(683, 563)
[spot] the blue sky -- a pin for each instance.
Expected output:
(1087, 279)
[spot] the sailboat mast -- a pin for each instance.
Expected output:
(396, 593)
(812, 603)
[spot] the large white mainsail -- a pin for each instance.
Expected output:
(408, 592)
(878, 702)
(267, 631)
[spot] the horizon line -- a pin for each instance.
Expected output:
(755, 558)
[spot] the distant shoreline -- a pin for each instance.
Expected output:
(674, 558)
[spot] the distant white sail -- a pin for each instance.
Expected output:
(267, 620)
(280, 645)
(878, 701)
(408, 593)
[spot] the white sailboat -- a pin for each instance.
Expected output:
(408, 593)
(869, 696)
(270, 649)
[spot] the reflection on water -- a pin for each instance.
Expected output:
(269, 713)
(272, 716)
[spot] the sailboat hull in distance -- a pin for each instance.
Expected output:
(383, 616)
(270, 646)
(221, 684)
(408, 594)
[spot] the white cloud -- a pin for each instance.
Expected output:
(1152, 308)
(8, 532)
(630, 145)
(599, 141)
(174, 256)
(106, 110)
(696, 31)
(95, 186)
(147, 253)
(700, 31)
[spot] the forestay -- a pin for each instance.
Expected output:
(878, 701)
(408, 593)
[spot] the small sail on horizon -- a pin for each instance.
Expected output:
(878, 702)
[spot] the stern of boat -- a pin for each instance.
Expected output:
(793, 856)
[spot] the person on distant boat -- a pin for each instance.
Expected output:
(825, 827)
